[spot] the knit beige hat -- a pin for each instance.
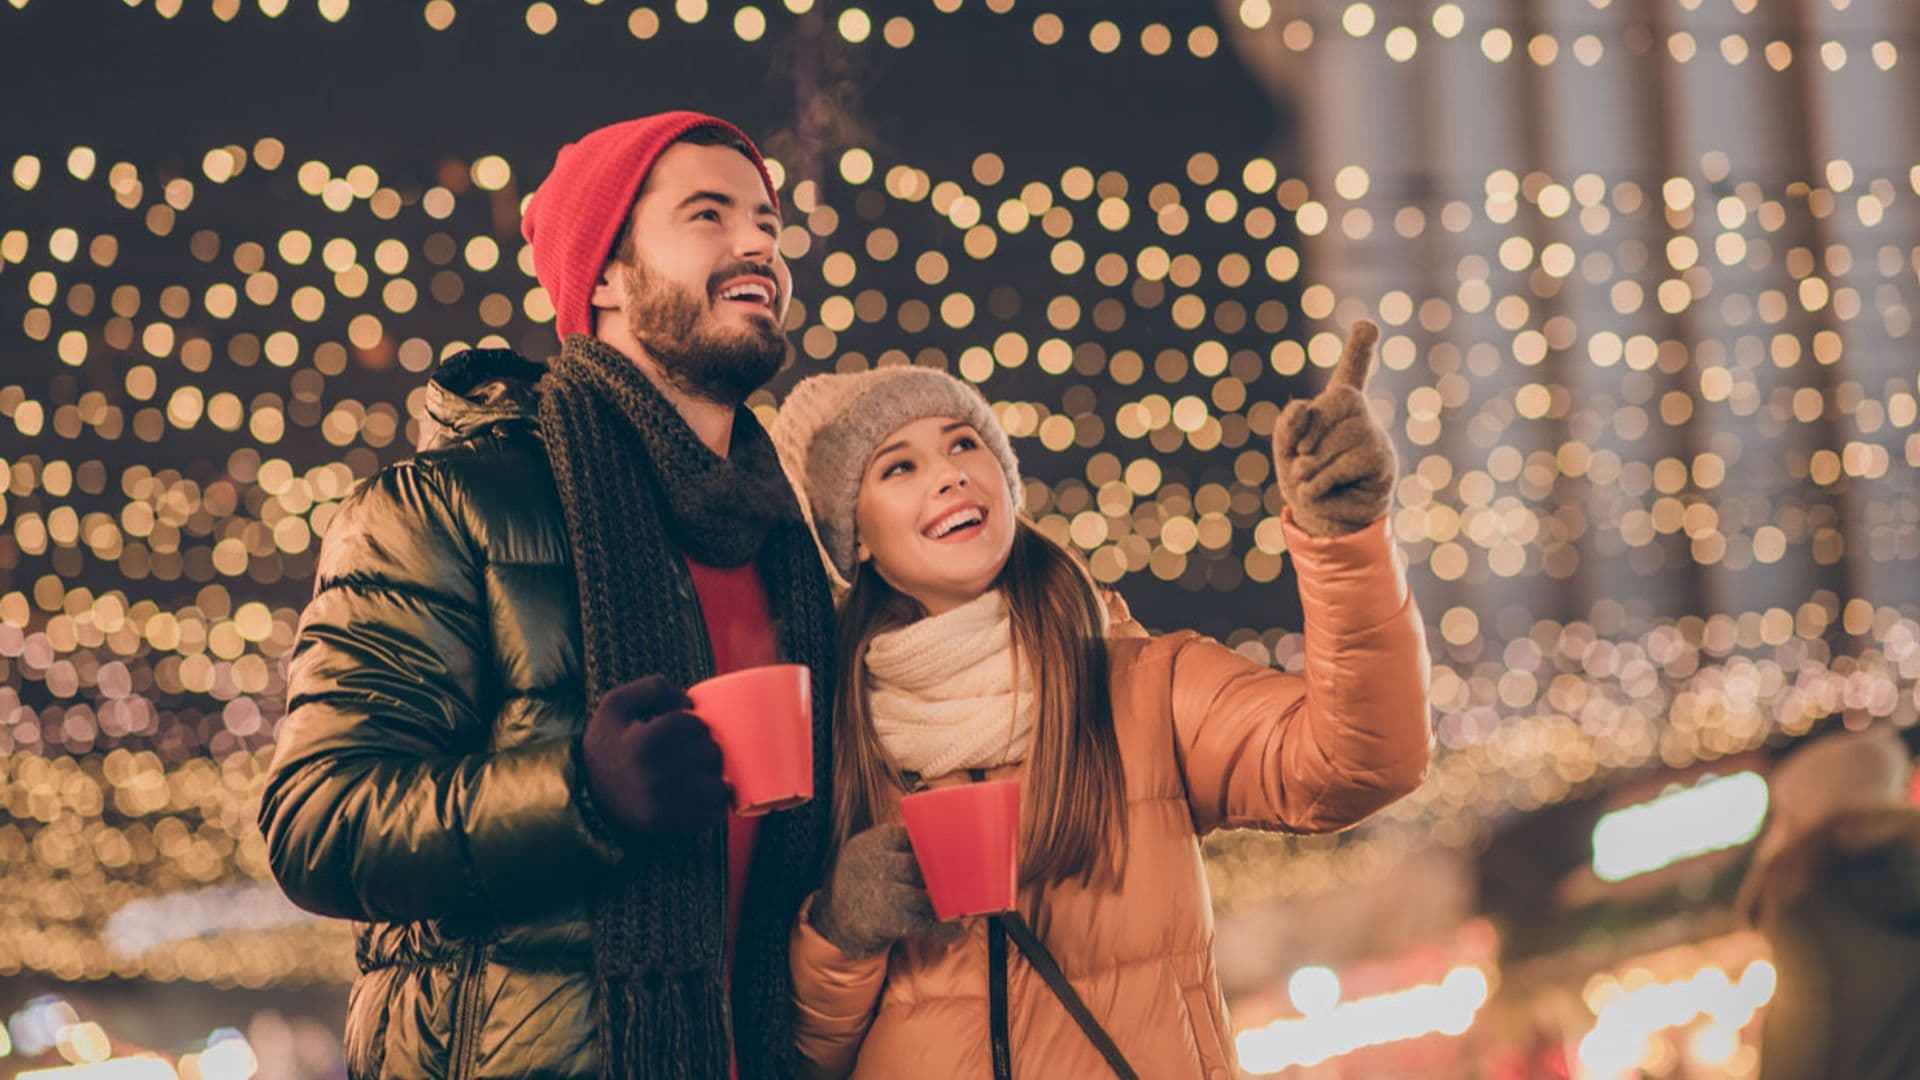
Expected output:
(830, 425)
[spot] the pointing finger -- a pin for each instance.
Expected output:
(1356, 360)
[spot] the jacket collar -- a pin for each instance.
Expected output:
(472, 389)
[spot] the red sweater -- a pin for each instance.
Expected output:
(740, 625)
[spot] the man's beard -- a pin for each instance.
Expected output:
(718, 366)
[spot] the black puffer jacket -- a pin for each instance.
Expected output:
(426, 780)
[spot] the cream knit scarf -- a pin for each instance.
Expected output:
(942, 694)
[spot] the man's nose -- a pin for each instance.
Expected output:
(755, 244)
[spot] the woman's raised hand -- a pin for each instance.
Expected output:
(1332, 460)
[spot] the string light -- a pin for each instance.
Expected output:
(1208, 535)
(1732, 42)
(1717, 813)
(131, 1068)
(50, 1023)
(138, 711)
(1447, 1007)
(1632, 1010)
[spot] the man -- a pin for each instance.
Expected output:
(1835, 887)
(486, 757)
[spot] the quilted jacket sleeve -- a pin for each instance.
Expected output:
(1320, 750)
(834, 997)
(385, 800)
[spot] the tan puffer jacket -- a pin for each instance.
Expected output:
(1209, 740)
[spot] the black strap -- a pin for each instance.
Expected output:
(997, 1000)
(1013, 924)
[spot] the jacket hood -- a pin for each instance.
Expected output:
(470, 390)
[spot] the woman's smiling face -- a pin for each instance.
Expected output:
(934, 514)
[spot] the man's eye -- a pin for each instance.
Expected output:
(708, 214)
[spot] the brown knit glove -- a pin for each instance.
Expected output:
(1332, 460)
(875, 896)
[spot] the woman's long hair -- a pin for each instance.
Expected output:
(1073, 811)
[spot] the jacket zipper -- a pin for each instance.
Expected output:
(690, 602)
(466, 1005)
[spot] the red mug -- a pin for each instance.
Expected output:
(966, 839)
(762, 719)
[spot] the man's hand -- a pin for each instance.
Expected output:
(652, 767)
(1332, 460)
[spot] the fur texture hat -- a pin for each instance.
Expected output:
(830, 425)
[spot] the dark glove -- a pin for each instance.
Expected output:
(875, 896)
(1333, 462)
(651, 766)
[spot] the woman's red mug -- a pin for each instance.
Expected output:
(966, 839)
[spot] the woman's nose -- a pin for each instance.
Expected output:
(952, 478)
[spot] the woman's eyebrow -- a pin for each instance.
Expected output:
(902, 444)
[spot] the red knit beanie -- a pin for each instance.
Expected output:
(577, 213)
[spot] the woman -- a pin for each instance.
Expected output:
(973, 647)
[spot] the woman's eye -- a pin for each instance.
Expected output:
(896, 467)
(963, 444)
(707, 215)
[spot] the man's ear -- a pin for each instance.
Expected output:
(611, 290)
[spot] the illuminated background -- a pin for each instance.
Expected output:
(1647, 274)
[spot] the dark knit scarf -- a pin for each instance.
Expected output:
(640, 489)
